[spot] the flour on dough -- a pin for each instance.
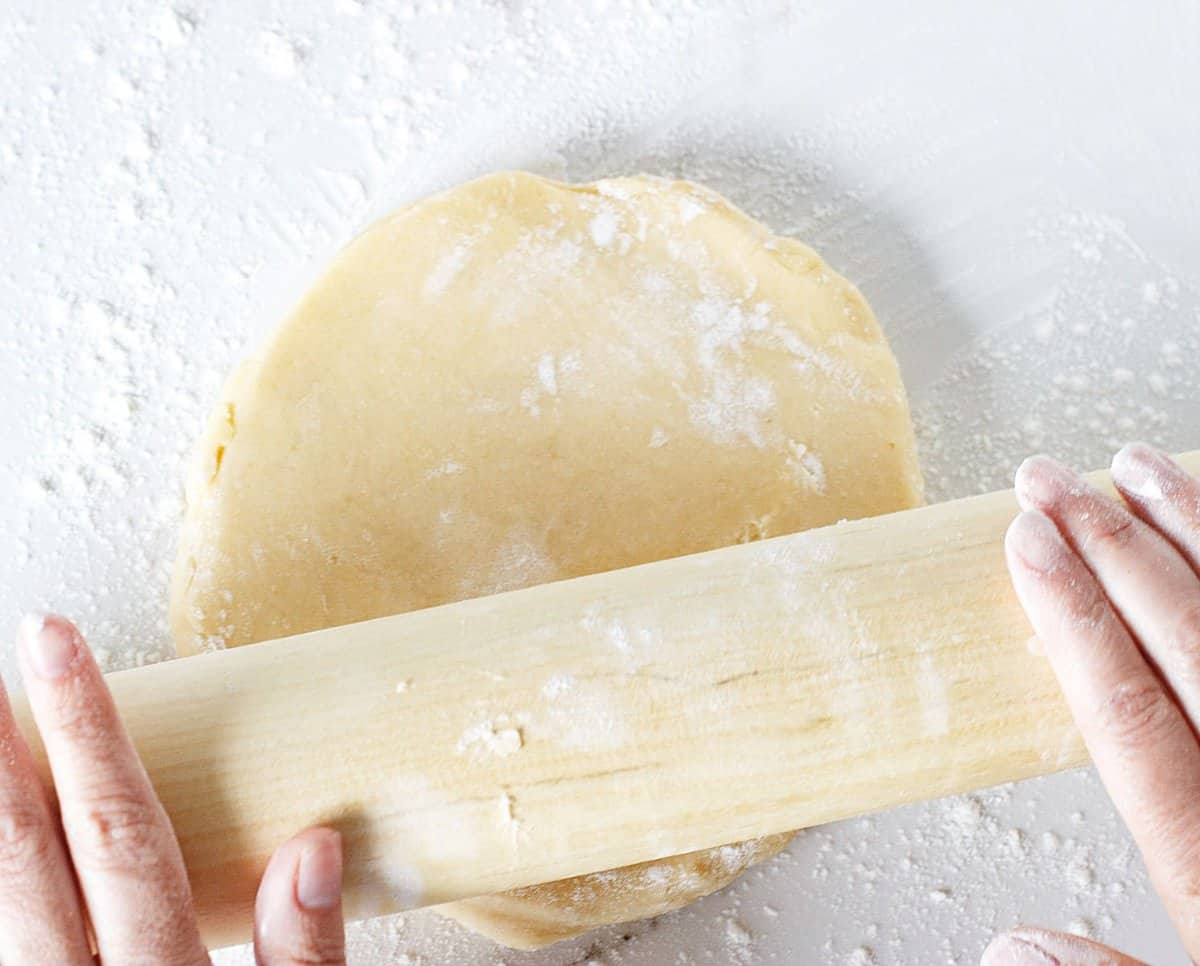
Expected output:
(520, 381)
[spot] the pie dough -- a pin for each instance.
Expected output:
(520, 381)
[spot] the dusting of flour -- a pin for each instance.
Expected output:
(172, 173)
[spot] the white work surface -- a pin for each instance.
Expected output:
(1014, 186)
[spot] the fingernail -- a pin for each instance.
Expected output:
(1035, 540)
(50, 645)
(1041, 482)
(319, 877)
(1142, 471)
(1010, 950)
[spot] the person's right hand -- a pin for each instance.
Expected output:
(1113, 591)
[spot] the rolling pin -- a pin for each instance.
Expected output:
(612, 719)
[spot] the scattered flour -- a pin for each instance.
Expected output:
(494, 737)
(547, 375)
(579, 714)
(807, 466)
(172, 188)
(282, 55)
(604, 227)
(1048, 382)
(438, 280)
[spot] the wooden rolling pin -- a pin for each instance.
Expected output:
(612, 719)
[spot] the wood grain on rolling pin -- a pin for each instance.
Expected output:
(612, 719)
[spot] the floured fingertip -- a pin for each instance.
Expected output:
(1142, 471)
(1036, 542)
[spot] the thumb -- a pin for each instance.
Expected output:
(1036, 947)
(298, 911)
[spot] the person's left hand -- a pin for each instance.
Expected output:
(1112, 589)
(107, 857)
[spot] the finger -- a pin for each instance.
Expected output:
(1153, 588)
(1163, 494)
(41, 919)
(1036, 947)
(120, 841)
(298, 911)
(1142, 745)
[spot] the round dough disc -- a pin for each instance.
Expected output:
(519, 381)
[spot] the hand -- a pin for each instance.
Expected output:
(108, 858)
(1113, 591)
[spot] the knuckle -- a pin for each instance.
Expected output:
(310, 956)
(1136, 715)
(1180, 885)
(1083, 607)
(318, 957)
(26, 839)
(1183, 881)
(118, 831)
(1177, 847)
(1185, 641)
(1187, 505)
(78, 722)
(318, 944)
(1112, 528)
(1094, 611)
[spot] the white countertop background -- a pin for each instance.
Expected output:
(1014, 186)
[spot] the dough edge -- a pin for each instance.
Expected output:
(511, 918)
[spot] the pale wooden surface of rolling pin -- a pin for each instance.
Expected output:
(612, 719)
